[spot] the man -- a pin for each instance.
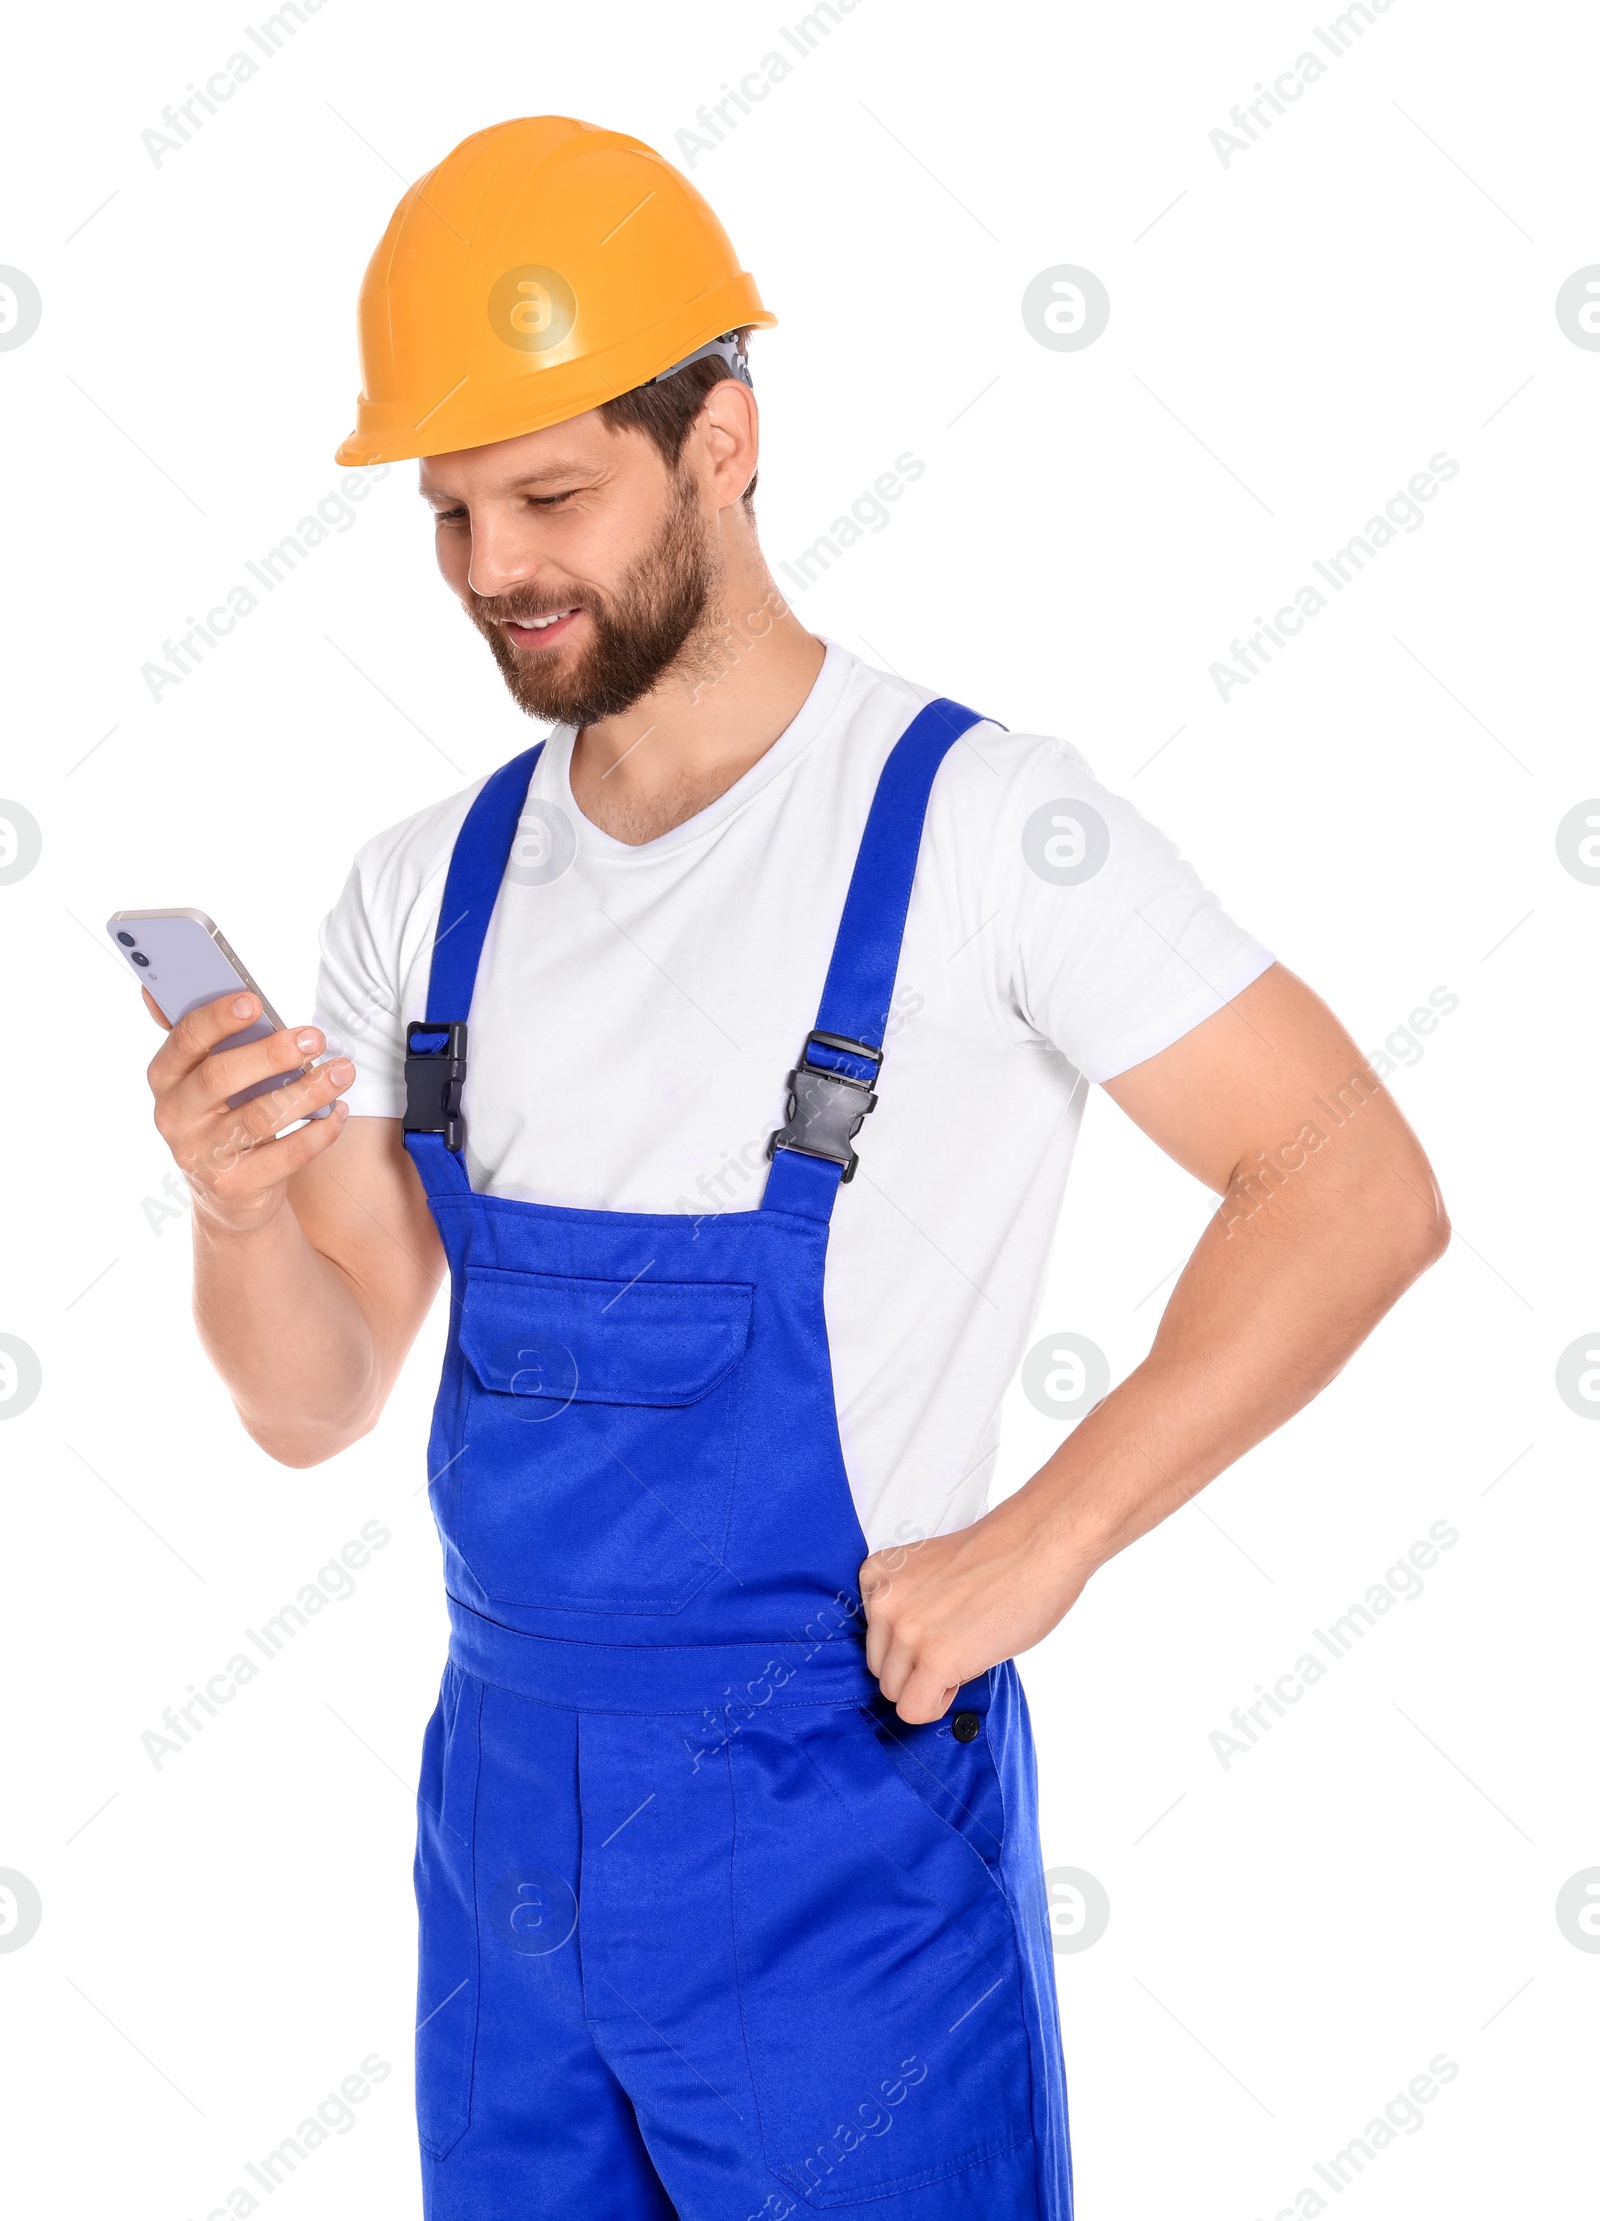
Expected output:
(728, 1864)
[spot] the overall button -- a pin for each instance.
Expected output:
(964, 1727)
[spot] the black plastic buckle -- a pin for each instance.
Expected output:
(826, 1108)
(434, 1080)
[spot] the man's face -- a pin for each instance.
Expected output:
(583, 560)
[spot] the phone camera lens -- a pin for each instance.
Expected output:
(126, 939)
(141, 960)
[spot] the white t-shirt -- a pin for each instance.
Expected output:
(638, 1009)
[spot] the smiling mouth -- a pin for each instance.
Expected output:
(539, 632)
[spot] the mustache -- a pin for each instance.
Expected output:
(522, 609)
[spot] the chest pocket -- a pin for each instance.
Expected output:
(599, 1438)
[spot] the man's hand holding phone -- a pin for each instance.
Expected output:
(237, 1161)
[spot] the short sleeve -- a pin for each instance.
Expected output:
(358, 1005)
(1118, 949)
(376, 946)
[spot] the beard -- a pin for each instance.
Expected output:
(640, 630)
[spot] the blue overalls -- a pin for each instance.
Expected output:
(706, 1929)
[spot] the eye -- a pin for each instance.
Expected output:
(551, 501)
(449, 516)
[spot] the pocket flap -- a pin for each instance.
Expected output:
(602, 1341)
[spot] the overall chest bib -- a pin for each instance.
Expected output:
(705, 1927)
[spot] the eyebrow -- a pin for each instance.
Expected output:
(554, 473)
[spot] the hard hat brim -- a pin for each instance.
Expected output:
(479, 414)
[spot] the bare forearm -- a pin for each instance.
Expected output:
(315, 1255)
(1268, 1310)
(284, 1329)
(1263, 1317)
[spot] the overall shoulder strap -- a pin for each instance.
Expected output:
(830, 1090)
(436, 1047)
(477, 866)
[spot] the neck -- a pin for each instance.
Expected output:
(737, 686)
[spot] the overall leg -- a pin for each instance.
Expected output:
(1009, 1734)
(520, 2118)
(806, 1977)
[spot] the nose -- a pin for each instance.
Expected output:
(500, 560)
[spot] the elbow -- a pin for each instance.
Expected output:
(301, 1447)
(1438, 1237)
(295, 1432)
(293, 1450)
(1419, 1234)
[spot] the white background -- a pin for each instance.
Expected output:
(1292, 336)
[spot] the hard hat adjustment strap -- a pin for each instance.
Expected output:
(729, 351)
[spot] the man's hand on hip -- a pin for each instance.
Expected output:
(943, 1611)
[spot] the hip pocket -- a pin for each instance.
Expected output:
(878, 1973)
(600, 1437)
(447, 1921)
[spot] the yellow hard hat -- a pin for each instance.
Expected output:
(544, 267)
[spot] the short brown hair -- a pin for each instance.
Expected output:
(665, 409)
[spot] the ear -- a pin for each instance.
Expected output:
(727, 433)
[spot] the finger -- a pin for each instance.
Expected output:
(230, 1071)
(925, 1697)
(252, 1123)
(208, 1144)
(248, 1168)
(216, 1079)
(875, 1575)
(194, 1037)
(252, 1175)
(895, 1671)
(156, 1011)
(316, 1089)
(880, 1627)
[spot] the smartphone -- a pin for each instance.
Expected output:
(184, 961)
